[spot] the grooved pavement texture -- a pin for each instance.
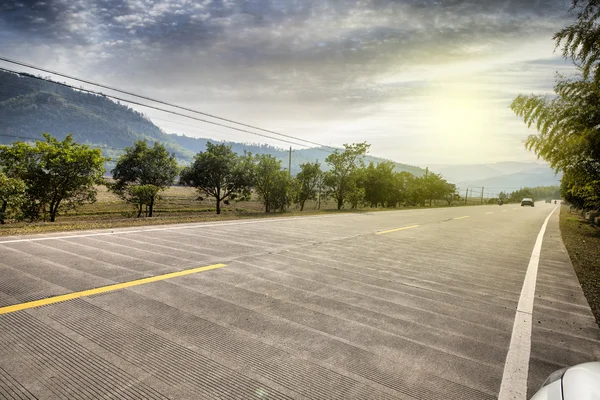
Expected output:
(307, 308)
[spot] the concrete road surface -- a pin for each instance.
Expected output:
(416, 304)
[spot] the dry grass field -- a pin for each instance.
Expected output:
(178, 204)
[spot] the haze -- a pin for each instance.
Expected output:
(422, 81)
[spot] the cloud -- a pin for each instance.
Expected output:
(321, 59)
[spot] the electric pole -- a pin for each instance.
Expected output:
(466, 196)
(482, 195)
(290, 162)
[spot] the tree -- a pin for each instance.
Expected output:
(220, 173)
(450, 193)
(12, 192)
(144, 165)
(140, 196)
(569, 124)
(434, 186)
(581, 40)
(308, 180)
(271, 183)
(342, 165)
(58, 175)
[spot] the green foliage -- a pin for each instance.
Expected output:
(220, 173)
(273, 185)
(342, 166)
(435, 187)
(142, 165)
(308, 180)
(450, 193)
(568, 125)
(58, 175)
(12, 191)
(536, 193)
(580, 40)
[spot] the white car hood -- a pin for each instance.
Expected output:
(582, 382)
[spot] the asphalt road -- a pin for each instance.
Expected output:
(416, 304)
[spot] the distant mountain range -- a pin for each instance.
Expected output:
(30, 106)
(502, 176)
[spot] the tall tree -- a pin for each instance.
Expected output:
(220, 173)
(308, 180)
(12, 191)
(58, 175)
(144, 165)
(342, 165)
(580, 41)
(568, 124)
(434, 186)
(272, 184)
(450, 193)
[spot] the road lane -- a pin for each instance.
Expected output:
(401, 304)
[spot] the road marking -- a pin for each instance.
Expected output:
(397, 229)
(104, 289)
(516, 367)
(466, 216)
(171, 228)
(491, 212)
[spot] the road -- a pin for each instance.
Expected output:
(415, 304)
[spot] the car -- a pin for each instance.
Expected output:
(527, 202)
(579, 382)
(548, 201)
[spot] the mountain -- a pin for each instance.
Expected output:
(502, 176)
(458, 173)
(30, 106)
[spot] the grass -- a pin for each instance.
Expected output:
(582, 240)
(176, 205)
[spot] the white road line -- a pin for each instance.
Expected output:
(170, 228)
(516, 367)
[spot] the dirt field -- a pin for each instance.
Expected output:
(177, 204)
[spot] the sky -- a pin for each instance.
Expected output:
(423, 81)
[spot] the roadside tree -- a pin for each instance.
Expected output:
(143, 165)
(273, 185)
(342, 165)
(12, 191)
(58, 175)
(219, 173)
(308, 182)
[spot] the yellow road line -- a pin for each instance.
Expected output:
(491, 212)
(397, 229)
(104, 289)
(466, 216)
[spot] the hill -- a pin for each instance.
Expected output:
(506, 176)
(30, 106)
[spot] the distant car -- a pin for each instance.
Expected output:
(548, 201)
(527, 202)
(579, 382)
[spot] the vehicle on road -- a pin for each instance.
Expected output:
(549, 201)
(527, 202)
(579, 382)
(500, 202)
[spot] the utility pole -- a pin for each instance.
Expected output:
(290, 162)
(466, 196)
(482, 195)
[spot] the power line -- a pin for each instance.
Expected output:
(143, 119)
(8, 60)
(165, 110)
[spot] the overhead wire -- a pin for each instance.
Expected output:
(165, 110)
(121, 109)
(34, 67)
